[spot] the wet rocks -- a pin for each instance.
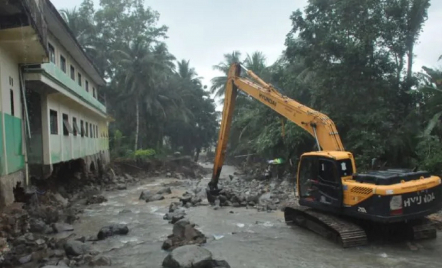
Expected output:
(76, 248)
(100, 260)
(183, 233)
(175, 215)
(165, 190)
(148, 196)
(111, 230)
(192, 256)
(60, 227)
(156, 197)
(145, 195)
(95, 199)
(189, 256)
(121, 187)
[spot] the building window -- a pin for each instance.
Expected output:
(53, 122)
(11, 92)
(96, 131)
(51, 53)
(92, 133)
(72, 73)
(79, 79)
(63, 63)
(11, 81)
(66, 126)
(82, 128)
(87, 129)
(74, 124)
(87, 85)
(94, 92)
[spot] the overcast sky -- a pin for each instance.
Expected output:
(203, 30)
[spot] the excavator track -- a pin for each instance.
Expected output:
(338, 230)
(423, 230)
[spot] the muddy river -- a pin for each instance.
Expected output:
(244, 238)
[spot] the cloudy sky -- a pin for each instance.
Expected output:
(203, 30)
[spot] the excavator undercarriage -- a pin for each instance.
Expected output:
(349, 232)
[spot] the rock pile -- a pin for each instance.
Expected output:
(184, 233)
(262, 195)
(192, 256)
(149, 196)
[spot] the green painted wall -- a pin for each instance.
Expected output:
(2, 149)
(14, 146)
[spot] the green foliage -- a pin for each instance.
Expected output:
(145, 154)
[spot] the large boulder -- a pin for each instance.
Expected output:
(165, 190)
(116, 229)
(76, 248)
(156, 197)
(189, 256)
(145, 195)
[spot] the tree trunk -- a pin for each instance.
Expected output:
(137, 120)
(410, 65)
(197, 155)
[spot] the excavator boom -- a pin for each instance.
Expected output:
(317, 124)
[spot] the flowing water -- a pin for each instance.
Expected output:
(243, 237)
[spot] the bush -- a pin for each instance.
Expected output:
(145, 154)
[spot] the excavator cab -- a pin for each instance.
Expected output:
(320, 179)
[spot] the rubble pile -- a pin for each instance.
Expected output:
(26, 238)
(262, 195)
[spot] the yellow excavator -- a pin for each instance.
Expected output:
(333, 199)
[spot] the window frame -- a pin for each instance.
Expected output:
(53, 122)
(75, 126)
(12, 100)
(67, 129)
(82, 127)
(63, 63)
(52, 57)
(86, 85)
(80, 82)
(72, 72)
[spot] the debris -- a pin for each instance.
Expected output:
(183, 233)
(156, 197)
(116, 229)
(145, 195)
(190, 256)
(96, 199)
(100, 260)
(76, 248)
(165, 190)
(60, 227)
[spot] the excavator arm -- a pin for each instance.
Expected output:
(317, 124)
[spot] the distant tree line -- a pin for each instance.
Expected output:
(352, 60)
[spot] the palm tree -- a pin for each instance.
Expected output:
(219, 82)
(144, 67)
(257, 63)
(432, 88)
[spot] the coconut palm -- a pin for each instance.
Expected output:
(219, 82)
